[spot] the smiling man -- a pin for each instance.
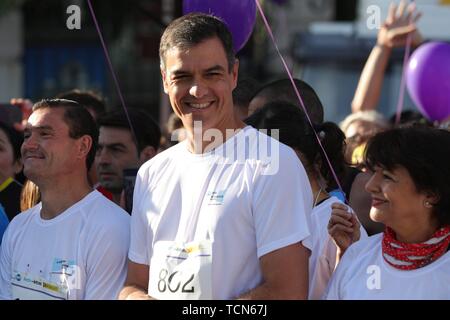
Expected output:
(72, 245)
(205, 224)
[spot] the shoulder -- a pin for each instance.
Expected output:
(270, 156)
(25, 217)
(21, 222)
(104, 214)
(364, 247)
(171, 154)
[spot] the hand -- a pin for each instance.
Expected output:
(344, 227)
(398, 25)
(26, 107)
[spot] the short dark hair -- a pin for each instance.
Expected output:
(424, 153)
(88, 99)
(147, 131)
(296, 132)
(78, 119)
(15, 139)
(410, 118)
(244, 92)
(282, 90)
(192, 29)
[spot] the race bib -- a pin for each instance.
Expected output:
(62, 279)
(181, 271)
(29, 287)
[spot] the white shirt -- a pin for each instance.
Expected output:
(80, 254)
(246, 207)
(323, 250)
(364, 274)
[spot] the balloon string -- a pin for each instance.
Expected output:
(269, 31)
(116, 82)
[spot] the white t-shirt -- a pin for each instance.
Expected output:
(246, 207)
(80, 254)
(323, 250)
(364, 274)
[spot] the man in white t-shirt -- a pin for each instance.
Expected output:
(72, 245)
(213, 217)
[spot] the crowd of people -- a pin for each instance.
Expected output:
(241, 196)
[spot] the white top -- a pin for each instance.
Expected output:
(247, 205)
(323, 250)
(80, 254)
(364, 274)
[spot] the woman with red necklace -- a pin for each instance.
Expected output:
(410, 188)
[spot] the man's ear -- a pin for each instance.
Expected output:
(146, 154)
(84, 146)
(164, 79)
(235, 72)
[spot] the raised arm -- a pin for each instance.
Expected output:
(393, 33)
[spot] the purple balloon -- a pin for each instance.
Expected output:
(428, 79)
(239, 15)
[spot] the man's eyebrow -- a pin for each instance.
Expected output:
(112, 145)
(215, 68)
(179, 72)
(39, 128)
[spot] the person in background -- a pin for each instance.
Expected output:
(121, 147)
(243, 94)
(10, 165)
(30, 196)
(296, 132)
(359, 127)
(92, 101)
(399, 24)
(175, 131)
(411, 197)
(282, 90)
(4, 221)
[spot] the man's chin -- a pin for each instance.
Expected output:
(113, 188)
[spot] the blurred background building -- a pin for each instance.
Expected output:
(326, 43)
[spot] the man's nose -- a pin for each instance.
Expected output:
(30, 143)
(198, 89)
(102, 157)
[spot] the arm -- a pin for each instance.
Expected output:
(5, 267)
(344, 228)
(393, 33)
(285, 273)
(136, 284)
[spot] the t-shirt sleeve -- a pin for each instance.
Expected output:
(281, 203)
(107, 261)
(138, 252)
(5, 267)
(334, 289)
